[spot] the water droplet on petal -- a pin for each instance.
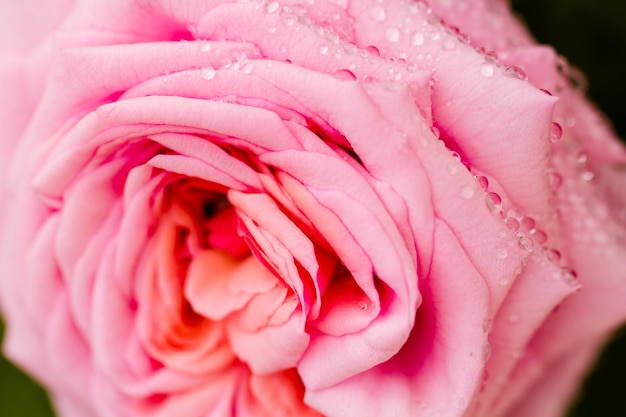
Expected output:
(345, 75)
(378, 13)
(501, 253)
(333, 37)
(271, 30)
(555, 180)
(515, 72)
(350, 49)
(494, 202)
(372, 50)
(289, 19)
(486, 353)
(208, 73)
(582, 158)
(556, 132)
(449, 44)
(363, 305)
(587, 175)
(527, 223)
(486, 69)
(417, 39)
(205, 47)
(526, 243)
(512, 224)
(553, 255)
(569, 276)
(323, 49)
(482, 181)
(539, 236)
(271, 6)
(392, 34)
(487, 325)
(516, 213)
(467, 192)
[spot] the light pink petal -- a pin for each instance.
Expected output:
(217, 285)
(213, 156)
(551, 395)
(274, 395)
(25, 24)
(272, 348)
(424, 377)
(72, 93)
(522, 313)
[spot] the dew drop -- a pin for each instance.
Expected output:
(392, 34)
(350, 49)
(487, 325)
(207, 73)
(556, 132)
(486, 69)
(271, 30)
(417, 39)
(526, 243)
(391, 86)
(323, 49)
(482, 181)
(512, 224)
(364, 305)
(569, 276)
(516, 213)
(452, 168)
(271, 6)
(486, 352)
(435, 131)
(501, 253)
(205, 47)
(449, 44)
(494, 202)
(539, 236)
(433, 20)
(553, 255)
(581, 158)
(378, 13)
(527, 223)
(515, 72)
(467, 192)
(345, 75)
(373, 50)
(333, 37)
(587, 175)
(555, 180)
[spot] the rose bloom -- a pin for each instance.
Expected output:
(302, 208)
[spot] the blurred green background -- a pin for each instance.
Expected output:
(591, 34)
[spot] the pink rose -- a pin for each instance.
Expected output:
(302, 208)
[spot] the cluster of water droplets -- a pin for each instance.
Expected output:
(348, 55)
(527, 235)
